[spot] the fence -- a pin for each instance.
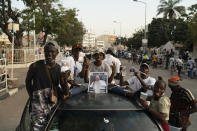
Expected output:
(25, 55)
(3, 75)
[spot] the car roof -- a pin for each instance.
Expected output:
(91, 101)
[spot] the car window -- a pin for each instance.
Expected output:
(102, 121)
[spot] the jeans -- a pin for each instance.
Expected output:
(77, 90)
(118, 90)
(190, 74)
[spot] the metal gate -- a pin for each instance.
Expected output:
(3, 75)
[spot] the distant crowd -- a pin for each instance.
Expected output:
(182, 63)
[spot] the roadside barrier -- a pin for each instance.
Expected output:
(24, 55)
(3, 75)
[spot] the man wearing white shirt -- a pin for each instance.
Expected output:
(172, 64)
(190, 67)
(140, 82)
(110, 59)
(179, 63)
(99, 66)
(77, 64)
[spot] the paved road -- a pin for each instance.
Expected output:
(12, 107)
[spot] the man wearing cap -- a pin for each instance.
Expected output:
(182, 104)
(110, 58)
(43, 86)
(77, 64)
(99, 66)
(140, 82)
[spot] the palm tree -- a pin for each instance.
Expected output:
(169, 8)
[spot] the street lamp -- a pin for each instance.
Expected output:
(13, 27)
(144, 41)
(120, 25)
(34, 32)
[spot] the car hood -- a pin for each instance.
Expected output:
(91, 101)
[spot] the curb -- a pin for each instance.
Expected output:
(11, 92)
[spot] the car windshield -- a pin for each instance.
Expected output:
(101, 120)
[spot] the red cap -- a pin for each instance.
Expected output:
(173, 79)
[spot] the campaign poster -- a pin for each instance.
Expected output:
(98, 82)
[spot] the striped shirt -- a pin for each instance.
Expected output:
(181, 100)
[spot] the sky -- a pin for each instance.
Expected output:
(98, 16)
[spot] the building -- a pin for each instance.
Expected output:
(89, 40)
(100, 44)
(4, 41)
(108, 40)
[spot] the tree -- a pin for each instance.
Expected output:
(56, 21)
(159, 32)
(136, 40)
(51, 18)
(162, 30)
(8, 12)
(70, 30)
(27, 23)
(169, 9)
(179, 32)
(192, 26)
(117, 41)
(121, 40)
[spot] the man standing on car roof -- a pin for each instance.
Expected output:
(77, 64)
(183, 104)
(43, 86)
(99, 66)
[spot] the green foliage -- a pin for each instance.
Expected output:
(162, 30)
(192, 26)
(10, 14)
(136, 40)
(71, 30)
(192, 10)
(169, 9)
(56, 21)
(121, 40)
(179, 32)
(159, 32)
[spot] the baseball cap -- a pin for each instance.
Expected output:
(99, 51)
(174, 81)
(144, 65)
(52, 43)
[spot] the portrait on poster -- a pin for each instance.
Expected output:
(98, 82)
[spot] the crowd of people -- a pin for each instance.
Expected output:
(182, 63)
(48, 82)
